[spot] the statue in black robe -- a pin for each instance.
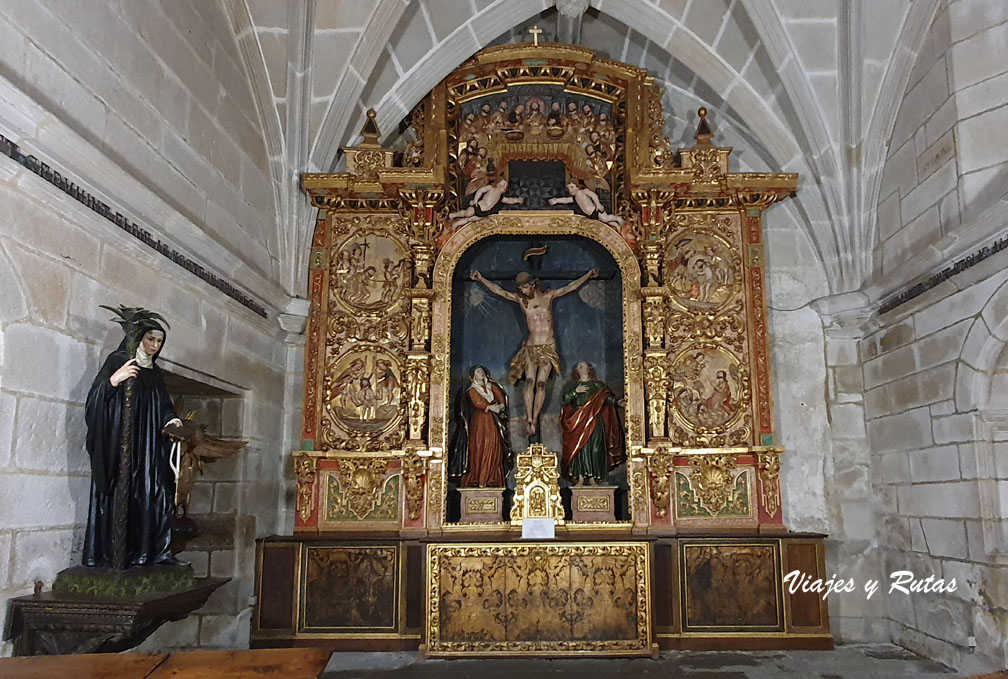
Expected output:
(150, 498)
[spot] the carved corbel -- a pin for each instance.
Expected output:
(305, 472)
(414, 467)
(660, 468)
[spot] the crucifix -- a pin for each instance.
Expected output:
(535, 31)
(538, 357)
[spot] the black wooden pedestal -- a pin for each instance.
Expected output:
(49, 623)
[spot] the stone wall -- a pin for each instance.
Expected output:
(944, 165)
(928, 371)
(932, 385)
(58, 262)
(160, 88)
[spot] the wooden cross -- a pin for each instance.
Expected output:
(535, 31)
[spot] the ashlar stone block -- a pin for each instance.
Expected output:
(975, 150)
(953, 428)
(6, 547)
(955, 499)
(908, 430)
(225, 631)
(41, 554)
(926, 194)
(50, 437)
(8, 406)
(38, 350)
(980, 56)
(934, 464)
(895, 468)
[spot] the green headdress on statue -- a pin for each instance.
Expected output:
(135, 321)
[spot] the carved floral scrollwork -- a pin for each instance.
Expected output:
(391, 331)
(637, 481)
(361, 481)
(656, 384)
(706, 165)
(368, 163)
(768, 464)
(660, 468)
(413, 469)
(435, 500)
(712, 480)
(658, 145)
(609, 611)
(417, 387)
(420, 318)
(654, 320)
(305, 472)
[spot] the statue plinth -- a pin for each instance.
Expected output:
(593, 503)
(116, 584)
(481, 505)
(103, 610)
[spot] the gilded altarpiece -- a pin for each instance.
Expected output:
(551, 122)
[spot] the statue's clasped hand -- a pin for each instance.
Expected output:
(129, 369)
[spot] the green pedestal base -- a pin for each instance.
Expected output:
(112, 584)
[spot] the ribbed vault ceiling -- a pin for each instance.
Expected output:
(810, 86)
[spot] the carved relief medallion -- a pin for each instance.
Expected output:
(363, 391)
(370, 271)
(709, 386)
(702, 271)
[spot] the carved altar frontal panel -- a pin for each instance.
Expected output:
(710, 365)
(350, 588)
(359, 331)
(731, 587)
(538, 598)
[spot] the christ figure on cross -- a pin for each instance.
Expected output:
(538, 356)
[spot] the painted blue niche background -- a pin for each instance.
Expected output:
(488, 330)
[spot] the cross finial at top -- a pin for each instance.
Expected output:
(535, 31)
